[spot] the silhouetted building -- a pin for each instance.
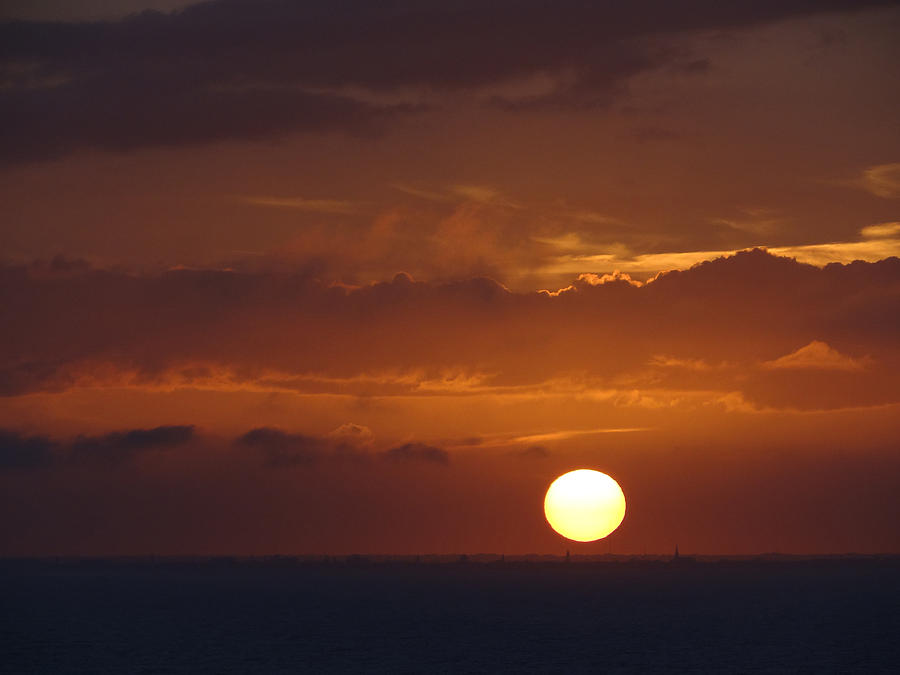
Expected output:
(681, 560)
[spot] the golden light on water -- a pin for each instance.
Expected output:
(584, 505)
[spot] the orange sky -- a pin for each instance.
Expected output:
(338, 278)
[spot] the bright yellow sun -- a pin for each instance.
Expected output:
(584, 505)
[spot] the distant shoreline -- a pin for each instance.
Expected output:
(438, 560)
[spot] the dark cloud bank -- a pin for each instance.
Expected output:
(171, 488)
(275, 447)
(716, 325)
(241, 69)
(280, 448)
(22, 451)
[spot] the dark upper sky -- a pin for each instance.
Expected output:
(392, 260)
(577, 137)
(82, 10)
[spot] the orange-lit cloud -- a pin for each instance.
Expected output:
(702, 329)
(878, 242)
(882, 180)
(484, 195)
(816, 356)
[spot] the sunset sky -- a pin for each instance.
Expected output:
(345, 276)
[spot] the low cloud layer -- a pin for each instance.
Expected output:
(18, 451)
(766, 317)
(275, 448)
(23, 451)
(417, 452)
(283, 449)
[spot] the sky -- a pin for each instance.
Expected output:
(351, 277)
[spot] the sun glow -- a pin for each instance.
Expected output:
(584, 505)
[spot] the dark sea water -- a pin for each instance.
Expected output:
(821, 616)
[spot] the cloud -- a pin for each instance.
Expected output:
(18, 451)
(882, 180)
(120, 445)
(282, 449)
(662, 361)
(335, 206)
(591, 279)
(351, 432)
(274, 446)
(428, 195)
(879, 242)
(533, 452)
(457, 239)
(816, 355)
(84, 10)
(842, 252)
(484, 195)
(417, 452)
(476, 194)
(881, 231)
(568, 433)
(122, 112)
(600, 279)
(213, 330)
(241, 69)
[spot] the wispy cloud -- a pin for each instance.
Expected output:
(428, 195)
(537, 438)
(334, 206)
(870, 250)
(756, 221)
(478, 194)
(662, 361)
(647, 264)
(572, 433)
(482, 194)
(882, 180)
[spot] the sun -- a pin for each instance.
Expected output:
(584, 505)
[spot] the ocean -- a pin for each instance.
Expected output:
(172, 616)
